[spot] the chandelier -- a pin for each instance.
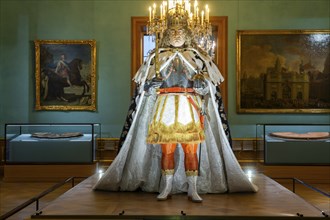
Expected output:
(177, 12)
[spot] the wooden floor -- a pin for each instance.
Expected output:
(272, 199)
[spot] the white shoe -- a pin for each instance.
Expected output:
(192, 189)
(165, 194)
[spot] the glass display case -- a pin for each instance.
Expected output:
(295, 144)
(40, 143)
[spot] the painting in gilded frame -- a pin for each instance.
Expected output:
(65, 75)
(283, 71)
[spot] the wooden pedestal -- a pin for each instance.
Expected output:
(47, 172)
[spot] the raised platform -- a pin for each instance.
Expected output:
(272, 200)
(46, 172)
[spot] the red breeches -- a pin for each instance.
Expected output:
(190, 160)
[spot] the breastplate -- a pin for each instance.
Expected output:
(176, 75)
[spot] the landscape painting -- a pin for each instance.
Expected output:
(283, 71)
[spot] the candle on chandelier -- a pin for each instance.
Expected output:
(195, 9)
(154, 11)
(187, 4)
(207, 13)
(202, 20)
(165, 7)
(149, 14)
(170, 3)
(188, 8)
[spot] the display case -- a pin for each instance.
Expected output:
(66, 143)
(295, 144)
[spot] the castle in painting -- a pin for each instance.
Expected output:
(280, 88)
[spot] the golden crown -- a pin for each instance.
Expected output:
(176, 20)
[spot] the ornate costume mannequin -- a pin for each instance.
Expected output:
(177, 116)
(178, 107)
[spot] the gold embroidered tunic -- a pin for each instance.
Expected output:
(176, 116)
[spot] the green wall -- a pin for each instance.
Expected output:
(109, 23)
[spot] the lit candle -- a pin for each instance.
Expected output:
(154, 11)
(161, 11)
(202, 20)
(195, 8)
(149, 14)
(170, 4)
(207, 15)
(186, 5)
(197, 11)
(165, 7)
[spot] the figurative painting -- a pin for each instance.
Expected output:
(282, 71)
(65, 75)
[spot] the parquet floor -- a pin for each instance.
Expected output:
(13, 194)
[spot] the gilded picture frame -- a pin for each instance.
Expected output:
(283, 71)
(65, 75)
